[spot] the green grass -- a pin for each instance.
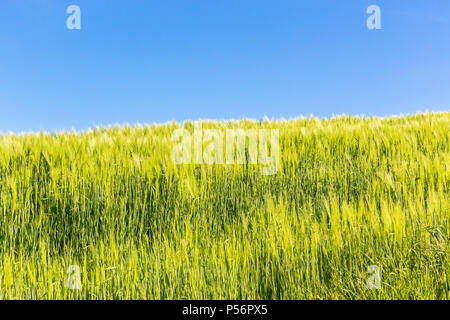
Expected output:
(350, 193)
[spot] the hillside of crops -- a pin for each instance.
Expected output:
(110, 207)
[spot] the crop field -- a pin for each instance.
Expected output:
(359, 208)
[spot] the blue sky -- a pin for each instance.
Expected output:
(145, 61)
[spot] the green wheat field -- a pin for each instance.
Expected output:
(351, 192)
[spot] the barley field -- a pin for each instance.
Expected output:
(109, 207)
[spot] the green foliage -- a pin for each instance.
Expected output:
(351, 192)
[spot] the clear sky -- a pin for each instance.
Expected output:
(145, 61)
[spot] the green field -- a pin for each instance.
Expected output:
(350, 193)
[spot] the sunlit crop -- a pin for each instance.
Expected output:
(350, 193)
